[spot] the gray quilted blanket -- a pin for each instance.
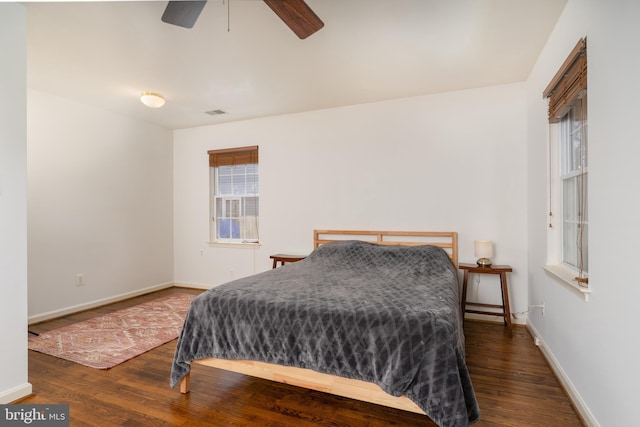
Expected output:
(384, 314)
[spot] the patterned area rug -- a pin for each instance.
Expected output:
(106, 341)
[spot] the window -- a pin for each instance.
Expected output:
(567, 95)
(234, 195)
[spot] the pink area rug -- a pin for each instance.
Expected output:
(106, 341)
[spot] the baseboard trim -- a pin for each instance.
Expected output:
(577, 401)
(14, 394)
(97, 303)
(193, 285)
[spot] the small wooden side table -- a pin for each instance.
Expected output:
(284, 258)
(502, 271)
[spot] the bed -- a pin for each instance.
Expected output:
(369, 315)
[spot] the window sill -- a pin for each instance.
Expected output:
(566, 277)
(247, 245)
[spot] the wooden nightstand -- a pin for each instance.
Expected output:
(502, 271)
(284, 258)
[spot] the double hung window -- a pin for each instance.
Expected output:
(567, 95)
(234, 195)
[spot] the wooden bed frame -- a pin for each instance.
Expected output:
(307, 378)
(448, 240)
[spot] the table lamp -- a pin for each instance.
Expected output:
(483, 251)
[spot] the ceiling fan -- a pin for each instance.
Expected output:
(295, 13)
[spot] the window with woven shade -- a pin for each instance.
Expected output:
(234, 195)
(568, 155)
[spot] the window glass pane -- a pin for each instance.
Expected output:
(575, 198)
(224, 229)
(583, 182)
(252, 184)
(572, 236)
(235, 229)
(569, 202)
(250, 227)
(231, 208)
(565, 157)
(584, 152)
(574, 152)
(224, 184)
(251, 206)
(238, 184)
(585, 247)
(229, 229)
(573, 140)
(570, 249)
(224, 170)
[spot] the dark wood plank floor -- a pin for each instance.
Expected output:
(513, 383)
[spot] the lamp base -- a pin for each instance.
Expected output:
(484, 262)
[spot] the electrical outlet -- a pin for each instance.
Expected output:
(80, 279)
(542, 306)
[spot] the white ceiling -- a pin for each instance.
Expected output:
(242, 59)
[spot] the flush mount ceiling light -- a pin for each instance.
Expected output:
(152, 100)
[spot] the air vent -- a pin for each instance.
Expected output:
(215, 112)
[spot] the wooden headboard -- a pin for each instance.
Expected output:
(448, 240)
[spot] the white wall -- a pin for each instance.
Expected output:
(451, 162)
(594, 342)
(99, 202)
(13, 203)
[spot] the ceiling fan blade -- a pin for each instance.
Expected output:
(297, 15)
(183, 13)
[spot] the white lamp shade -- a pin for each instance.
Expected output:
(152, 100)
(483, 248)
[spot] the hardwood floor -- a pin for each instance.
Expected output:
(513, 384)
